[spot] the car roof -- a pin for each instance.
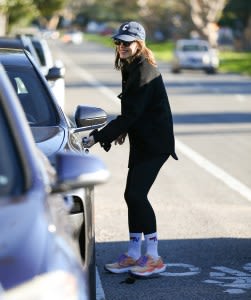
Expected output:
(7, 42)
(19, 42)
(14, 57)
(15, 42)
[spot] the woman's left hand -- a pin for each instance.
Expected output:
(121, 139)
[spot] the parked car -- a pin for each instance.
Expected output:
(19, 42)
(38, 257)
(194, 54)
(54, 132)
(39, 49)
(54, 71)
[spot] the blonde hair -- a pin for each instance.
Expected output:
(142, 50)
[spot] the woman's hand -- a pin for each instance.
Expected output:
(88, 142)
(121, 139)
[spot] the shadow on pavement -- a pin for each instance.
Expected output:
(215, 117)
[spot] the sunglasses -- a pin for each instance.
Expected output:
(119, 42)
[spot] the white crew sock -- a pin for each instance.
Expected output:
(152, 245)
(134, 248)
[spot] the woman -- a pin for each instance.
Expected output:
(147, 120)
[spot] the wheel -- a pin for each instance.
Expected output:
(176, 71)
(210, 70)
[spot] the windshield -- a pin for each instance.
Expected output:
(194, 48)
(37, 104)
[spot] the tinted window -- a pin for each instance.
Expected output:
(37, 104)
(40, 52)
(200, 48)
(11, 175)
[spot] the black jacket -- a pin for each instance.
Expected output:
(145, 114)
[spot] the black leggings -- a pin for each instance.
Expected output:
(141, 216)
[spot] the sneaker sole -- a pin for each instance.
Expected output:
(118, 271)
(145, 274)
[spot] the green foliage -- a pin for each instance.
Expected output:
(47, 8)
(20, 12)
(235, 62)
(162, 51)
(236, 11)
(112, 10)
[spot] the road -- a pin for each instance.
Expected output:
(202, 201)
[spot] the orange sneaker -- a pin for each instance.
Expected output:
(123, 265)
(147, 266)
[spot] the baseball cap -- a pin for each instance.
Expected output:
(130, 31)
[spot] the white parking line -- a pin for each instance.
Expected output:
(100, 295)
(217, 172)
(240, 98)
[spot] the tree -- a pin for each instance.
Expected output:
(205, 14)
(105, 11)
(22, 12)
(47, 8)
(237, 16)
(18, 12)
(154, 14)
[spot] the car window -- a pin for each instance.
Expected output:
(11, 175)
(43, 53)
(40, 52)
(36, 102)
(199, 48)
(20, 86)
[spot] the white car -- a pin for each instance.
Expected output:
(195, 54)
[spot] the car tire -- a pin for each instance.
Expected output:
(176, 71)
(210, 71)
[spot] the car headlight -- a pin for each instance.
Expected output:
(58, 285)
(215, 61)
(206, 59)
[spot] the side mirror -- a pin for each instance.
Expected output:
(89, 118)
(76, 171)
(55, 73)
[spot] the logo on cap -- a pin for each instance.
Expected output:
(125, 27)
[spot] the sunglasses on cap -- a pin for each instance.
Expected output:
(124, 43)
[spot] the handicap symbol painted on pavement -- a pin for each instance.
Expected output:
(234, 281)
(186, 270)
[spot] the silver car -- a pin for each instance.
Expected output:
(194, 54)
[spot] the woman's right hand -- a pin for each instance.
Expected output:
(121, 139)
(88, 142)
